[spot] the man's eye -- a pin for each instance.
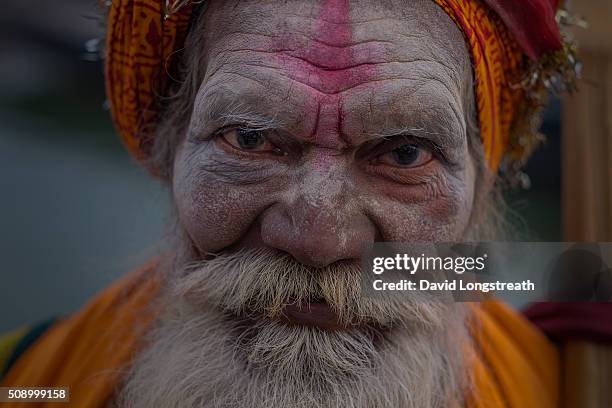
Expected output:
(408, 155)
(249, 140)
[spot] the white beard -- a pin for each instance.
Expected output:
(200, 355)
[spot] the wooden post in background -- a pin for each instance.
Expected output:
(587, 189)
(587, 131)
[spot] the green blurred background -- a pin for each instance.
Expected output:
(75, 211)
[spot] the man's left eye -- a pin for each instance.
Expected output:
(251, 140)
(408, 155)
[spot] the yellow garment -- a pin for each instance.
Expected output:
(89, 351)
(515, 366)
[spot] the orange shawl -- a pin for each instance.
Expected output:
(516, 366)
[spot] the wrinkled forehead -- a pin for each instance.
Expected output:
(332, 66)
(420, 26)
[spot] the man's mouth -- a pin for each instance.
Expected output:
(314, 314)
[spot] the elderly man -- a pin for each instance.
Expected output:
(291, 133)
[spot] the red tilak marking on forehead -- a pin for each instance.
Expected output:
(333, 23)
(329, 63)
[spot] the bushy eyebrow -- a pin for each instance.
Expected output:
(226, 105)
(248, 119)
(218, 111)
(446, 140)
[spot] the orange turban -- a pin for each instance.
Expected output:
(504, 37)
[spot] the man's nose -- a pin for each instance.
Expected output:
(318, 233)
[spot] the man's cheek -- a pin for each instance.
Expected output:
(442, 217)
(216, 217)
(215, 213)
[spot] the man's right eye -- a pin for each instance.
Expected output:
(248, 140)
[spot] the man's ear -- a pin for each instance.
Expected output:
(166, 145)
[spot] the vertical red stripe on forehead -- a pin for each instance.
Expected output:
(332, 27)
(326, 58)
(333, 22)
(328, 62)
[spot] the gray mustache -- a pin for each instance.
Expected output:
(262, 282)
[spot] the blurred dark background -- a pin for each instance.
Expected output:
(75, 211)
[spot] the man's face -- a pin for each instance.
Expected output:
(321, 126)
(318, 127)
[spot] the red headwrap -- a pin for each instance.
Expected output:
(532, 23)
